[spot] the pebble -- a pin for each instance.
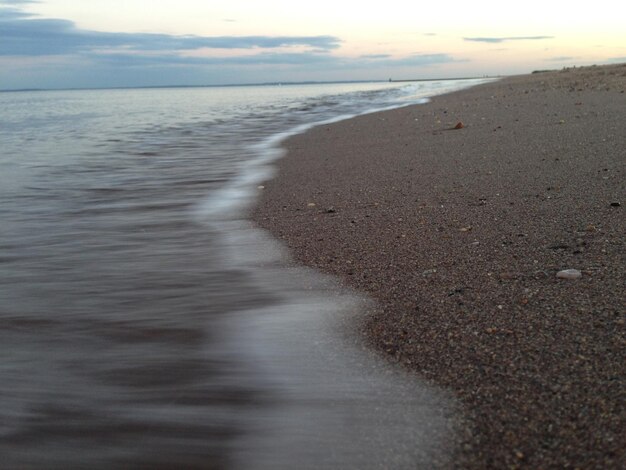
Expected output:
(569, 274)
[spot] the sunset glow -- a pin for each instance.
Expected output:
(95, 43)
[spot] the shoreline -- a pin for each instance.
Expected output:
(458, 235)
(312, 415)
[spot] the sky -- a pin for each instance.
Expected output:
(119, 43)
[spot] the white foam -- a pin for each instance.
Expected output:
(333, 403)
(232, 201)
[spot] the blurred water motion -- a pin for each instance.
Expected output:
(331, 402)
(141, 328)
(116, 359)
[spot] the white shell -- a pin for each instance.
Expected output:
(569, 274)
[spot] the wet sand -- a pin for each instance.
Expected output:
(458, 236)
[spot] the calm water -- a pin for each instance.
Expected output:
(144, 323)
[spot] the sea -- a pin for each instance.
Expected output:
(146, 323)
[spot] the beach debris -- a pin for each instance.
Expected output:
(615, 204)
(465, 229)
(569, 274)
(331, 210)
(260, 187)
(459, 125)
(458, 290)
(311, 204)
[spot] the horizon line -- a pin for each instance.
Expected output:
(226, 85)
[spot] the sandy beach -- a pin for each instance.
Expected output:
(458, 236)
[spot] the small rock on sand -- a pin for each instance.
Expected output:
(569, 274)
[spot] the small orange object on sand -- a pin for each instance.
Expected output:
(459, 126)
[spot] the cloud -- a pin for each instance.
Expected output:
(385, 60)
(50, 52)
(265, 58)
(423, 59)
(563, 58)
(38, 37)
(11, 10)
(17, 2)
(510, 38)
(8, 14)
(276, 58)
(25, 36)
(375, 56)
